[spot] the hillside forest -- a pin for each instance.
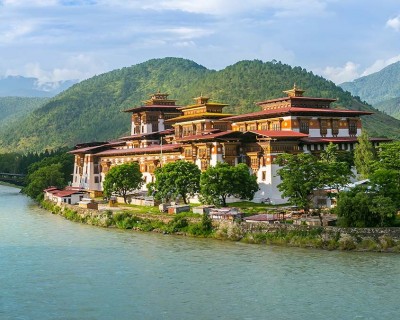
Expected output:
(92, 109)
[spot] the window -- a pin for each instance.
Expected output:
(352, 128)
(323, 127)
(254, 162)
(204, 165)
(304, 126)
(276, 126)
(263, 175)
(188, 152)
(335, 127)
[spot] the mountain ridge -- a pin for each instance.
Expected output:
(376, 87)
(19, 86)
(92, 109)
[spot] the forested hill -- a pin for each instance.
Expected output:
(391, 107)
(14, 108)
(377, 87)
(91, 110)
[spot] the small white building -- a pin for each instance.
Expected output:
(68, 195)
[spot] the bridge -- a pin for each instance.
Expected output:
(14, 178)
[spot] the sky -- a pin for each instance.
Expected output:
(55, 40)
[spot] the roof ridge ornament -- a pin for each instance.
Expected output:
(295, 92)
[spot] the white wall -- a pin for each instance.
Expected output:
(268, 187)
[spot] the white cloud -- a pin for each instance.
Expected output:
(341, 74)
(379, 65)
(16, 31)
(73, 69)
(227, 7)
(30, 3)
(394, 23)
(188, 33)
(351, 70)
(185, 44)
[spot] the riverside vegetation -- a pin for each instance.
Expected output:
(188, 224)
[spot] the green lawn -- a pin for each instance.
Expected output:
(251, 208)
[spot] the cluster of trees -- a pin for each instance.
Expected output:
(20, 163)
(374, 203)
(51, 169)
(183, 179)
(303, 173)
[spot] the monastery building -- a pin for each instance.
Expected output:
(202, 133)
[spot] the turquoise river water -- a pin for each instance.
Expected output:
(51, 268)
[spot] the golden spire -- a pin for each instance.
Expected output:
(201, 99)
(295, 92)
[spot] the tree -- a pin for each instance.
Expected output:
(300, 175)
(334, 172)
(42, 178)
(362, 207)
(386, 183)
(223, 180)
(122, 179)
(174, 179)
(389, 155)
(385, 180)
(364, 156)
(353, 208)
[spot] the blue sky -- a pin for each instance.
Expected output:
(75, 39)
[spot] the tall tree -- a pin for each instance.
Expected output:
(223, 180)
(174, 179)
(123, 179)
(389, 155)
(364, 156)
(300, 175)
(42, 178)
(334, 172)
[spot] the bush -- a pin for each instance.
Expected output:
(387, 242)
(346, 242)
(367, 244)
(179, 223)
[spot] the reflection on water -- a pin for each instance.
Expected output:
(51, 268)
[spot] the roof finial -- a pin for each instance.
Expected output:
(295, 92)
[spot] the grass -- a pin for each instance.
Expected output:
(251, 208)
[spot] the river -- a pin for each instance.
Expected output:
(51, 268)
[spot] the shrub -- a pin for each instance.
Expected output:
(346, 242)
(386, 242)
(179, 223)
(368, 244)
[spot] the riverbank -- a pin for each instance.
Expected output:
(328, 238)
(7, 184)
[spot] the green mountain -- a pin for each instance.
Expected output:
(15, 108)
(91, 109)
(377, 87)
(391, 107)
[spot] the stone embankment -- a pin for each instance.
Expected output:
(329, 238)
